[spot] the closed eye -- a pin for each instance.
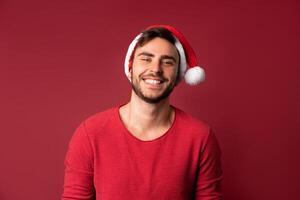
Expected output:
(168, 62)
(146, 59)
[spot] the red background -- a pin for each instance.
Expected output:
(62, 61)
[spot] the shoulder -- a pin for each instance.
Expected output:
(198, 130)
(189, 120)
(192, 125)
(95, 122)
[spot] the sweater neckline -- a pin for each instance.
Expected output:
(130, 135)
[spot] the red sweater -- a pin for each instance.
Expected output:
(105, 161)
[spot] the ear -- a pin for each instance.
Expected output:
(129, 76)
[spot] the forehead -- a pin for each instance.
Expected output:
(158, 46)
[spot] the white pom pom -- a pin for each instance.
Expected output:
(194, 75)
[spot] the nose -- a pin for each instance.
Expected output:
(156, 67)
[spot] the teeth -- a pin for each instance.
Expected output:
(151, 81)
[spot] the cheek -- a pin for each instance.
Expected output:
(137, 70)
(134, 73)
(172, 72)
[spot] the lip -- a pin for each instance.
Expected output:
(154, 78)
(152, 84)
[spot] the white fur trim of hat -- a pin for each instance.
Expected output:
(189, 69)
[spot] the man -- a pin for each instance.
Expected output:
(147, 148)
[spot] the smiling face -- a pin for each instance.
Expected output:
(154, 70)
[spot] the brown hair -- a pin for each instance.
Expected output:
(152, 33)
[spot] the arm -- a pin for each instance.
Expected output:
(209, 177)
(78, 182)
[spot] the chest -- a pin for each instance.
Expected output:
(165, 170)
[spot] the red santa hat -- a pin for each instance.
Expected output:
(189, 69)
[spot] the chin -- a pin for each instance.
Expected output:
(154, 99)
(152, 96)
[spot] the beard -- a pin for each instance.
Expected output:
(152, 100)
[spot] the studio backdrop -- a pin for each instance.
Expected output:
(62, 61)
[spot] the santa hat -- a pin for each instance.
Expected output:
(193, 75)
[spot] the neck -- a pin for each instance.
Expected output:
(141, 116)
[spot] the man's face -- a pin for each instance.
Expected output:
(154, 70)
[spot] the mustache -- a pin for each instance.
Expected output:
(152, 75)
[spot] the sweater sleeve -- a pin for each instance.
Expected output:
(78, 180)
(210, 173)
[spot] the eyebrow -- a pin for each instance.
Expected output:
(144, 53)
